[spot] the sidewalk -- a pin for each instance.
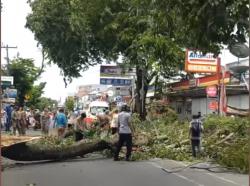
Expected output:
(202, 174)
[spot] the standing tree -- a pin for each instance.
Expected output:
(35, 94)
(69, 103)
(149, 35)
(77, 34)
(25, 73)
(44, 102)
(36, 100)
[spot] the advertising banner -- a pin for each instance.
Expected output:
(115, 71)
(7, 81)
(116, 81)
(9, 100)
(211, 91)
(115, 75)
(213, 105)
(10, 93)
(197, 62)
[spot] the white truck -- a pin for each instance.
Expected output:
(96, 108)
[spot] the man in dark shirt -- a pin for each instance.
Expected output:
(195, 129)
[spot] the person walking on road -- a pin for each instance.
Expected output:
(195, 129)
(3, 119)
(61, 123)
(22, 120)
(45, 121)
(52, 127)
(8, 110)
(15, 119)
(125, 133)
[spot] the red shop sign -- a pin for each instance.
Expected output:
(213, 105)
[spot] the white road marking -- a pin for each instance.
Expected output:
(178, 175)
(224, 179)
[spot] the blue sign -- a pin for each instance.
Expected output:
(10, 93)
(115, 82)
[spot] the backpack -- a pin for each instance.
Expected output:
(60, 119)
(196, 128)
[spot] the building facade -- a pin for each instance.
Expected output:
(188, 97)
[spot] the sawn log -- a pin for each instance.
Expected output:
(23, 152)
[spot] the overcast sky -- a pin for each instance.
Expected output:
(14, 33)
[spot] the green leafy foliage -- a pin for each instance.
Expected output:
(35, 94)
(167, 139)
(149, 35)
(225, 140)
(234, 151)
(77, 34)
(69, 103)
(62, 27)
(25, 74)
(209, 24)
(43, 102)
(50, 142)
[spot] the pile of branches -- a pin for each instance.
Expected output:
(225, 140)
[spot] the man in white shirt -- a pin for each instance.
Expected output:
(125, 133)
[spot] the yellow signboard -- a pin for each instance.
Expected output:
(198, 62)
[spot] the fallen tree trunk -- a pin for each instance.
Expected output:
(24, 152)
(8, 140)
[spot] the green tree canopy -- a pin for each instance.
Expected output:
(76, 34)
(44, 102)
(25, 73)
(149, 34)
(206, 25)
(69, 103)
(35, 94)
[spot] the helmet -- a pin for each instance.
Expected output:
(124, 107)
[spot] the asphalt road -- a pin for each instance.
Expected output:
(96, 171)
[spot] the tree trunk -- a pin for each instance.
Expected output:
(140, 99)
(137, 90)
(23, 152)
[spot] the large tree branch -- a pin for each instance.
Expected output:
(42, 65)
(23, 152)
(151, 76)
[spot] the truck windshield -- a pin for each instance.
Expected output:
(98, 110)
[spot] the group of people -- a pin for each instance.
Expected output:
(19, 120)
(114, 123)
(56, 123)
(15, 117)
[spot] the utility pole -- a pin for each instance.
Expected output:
(7, 47)
(0, 93)
(249, 75)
